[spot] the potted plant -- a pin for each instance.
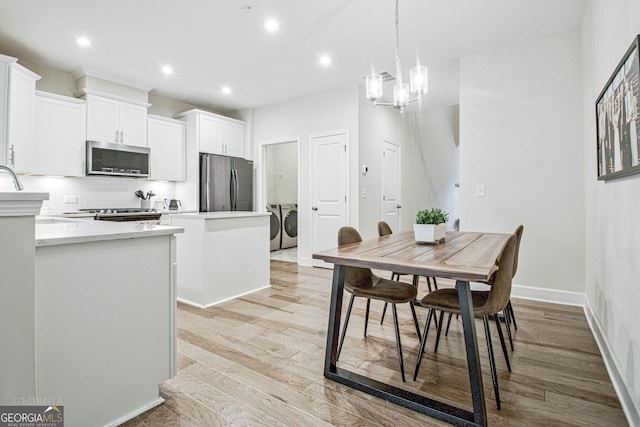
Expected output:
(430, 226)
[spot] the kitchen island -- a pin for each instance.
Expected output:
(222, 255)
(105, 302)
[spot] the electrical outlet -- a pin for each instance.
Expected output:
(480, 190)
(71, 200)
(364, 193)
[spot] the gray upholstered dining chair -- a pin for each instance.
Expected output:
(361, 282)
(509, 315)
(485, 304)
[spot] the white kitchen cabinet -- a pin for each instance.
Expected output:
(114, 120)
(233, 138)
(166, 140)
(214, 133)
(221, 256)
(59, 135)
(17, 97)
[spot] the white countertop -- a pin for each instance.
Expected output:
(61, 231)
(223, 215)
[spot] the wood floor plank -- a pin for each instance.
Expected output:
(258, 360)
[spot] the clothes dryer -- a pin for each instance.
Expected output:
(289, 225)
(276, 226)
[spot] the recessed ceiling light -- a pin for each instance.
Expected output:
(167, 69)
(271, 25)
(325, 60)
(83, 41)
(225, 89)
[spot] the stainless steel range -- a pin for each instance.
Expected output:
(124, 214)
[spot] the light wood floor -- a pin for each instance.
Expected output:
(258, 360)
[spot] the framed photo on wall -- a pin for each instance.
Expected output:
(618, 119)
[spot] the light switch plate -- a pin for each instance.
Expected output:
(480, 190)
(364, 193)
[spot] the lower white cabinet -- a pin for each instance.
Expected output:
(59, 131)
(221, 256)
(166, 140)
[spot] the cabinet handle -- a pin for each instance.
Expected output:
(117, 136)
(315, 208)
(122, 137)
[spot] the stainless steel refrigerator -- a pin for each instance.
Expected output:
(226, 183)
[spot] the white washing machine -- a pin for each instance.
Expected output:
(289, 225)
(276, 226)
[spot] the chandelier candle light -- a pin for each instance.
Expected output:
(401, 91)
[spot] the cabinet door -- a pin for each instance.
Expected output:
(102, 119)
(233, 139)
(22, 92)
(167, 145)
(133, 124)
(59, 147)
(209, 135)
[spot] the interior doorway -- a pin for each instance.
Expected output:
(279, 195)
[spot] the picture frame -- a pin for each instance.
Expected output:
(618, 119)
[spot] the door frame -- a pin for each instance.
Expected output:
(347, 185)
(382, 178)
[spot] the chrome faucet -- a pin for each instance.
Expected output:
(14, 177)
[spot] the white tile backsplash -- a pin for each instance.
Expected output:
(91, 192)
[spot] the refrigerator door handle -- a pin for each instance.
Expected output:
(237, 190)
(233, 190)
(205, 168)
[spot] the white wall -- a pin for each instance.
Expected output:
(333, 110)
(521, 136)
(612, 208)
(282, 173)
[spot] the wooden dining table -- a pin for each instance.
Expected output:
(464, 257)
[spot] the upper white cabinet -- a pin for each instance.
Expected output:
(17, 97)
(166, 138)
(214, 133)
(59, 135)
(114, 120)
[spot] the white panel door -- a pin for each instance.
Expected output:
(391, 185)
(329, 188)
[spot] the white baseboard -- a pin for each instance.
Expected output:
(548, 295)
(306, 261)
(625, 394)
(193, 304)
(133, 414)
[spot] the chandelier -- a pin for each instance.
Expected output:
(418, 78)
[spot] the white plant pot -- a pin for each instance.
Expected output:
(429, 233)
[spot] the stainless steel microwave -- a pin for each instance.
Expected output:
(104, 158)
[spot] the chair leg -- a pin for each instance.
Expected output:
(384, 310)
(512, 314)
(502, 343)
(446, 331)
(492, 362)
(366, 317)
(398, 343)
(415, 319)
(507, 321)
(423, 342)
(435, 350)
(344, 327)
(435, 284)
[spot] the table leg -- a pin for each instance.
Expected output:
(335, 312)
(473, 358)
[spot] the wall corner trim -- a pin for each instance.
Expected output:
(630, 405)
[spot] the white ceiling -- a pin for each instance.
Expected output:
(211, 43)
